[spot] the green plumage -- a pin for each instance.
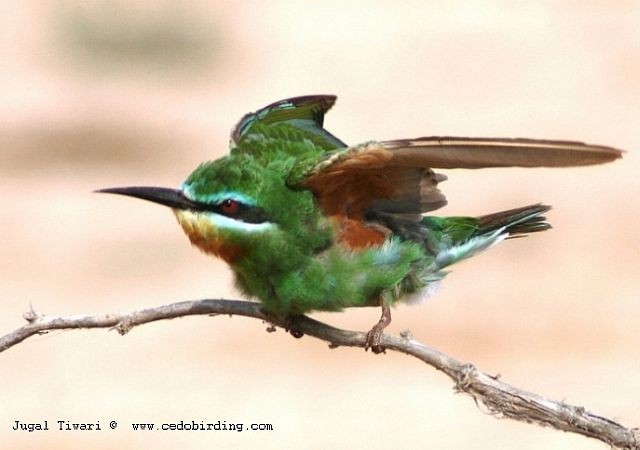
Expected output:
(299, 266)
(308, 223)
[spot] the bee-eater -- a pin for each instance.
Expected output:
(309, 223)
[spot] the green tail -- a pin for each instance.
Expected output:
(458, 238)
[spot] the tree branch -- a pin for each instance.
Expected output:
(501, 399)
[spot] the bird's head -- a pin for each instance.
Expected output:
(236, 207)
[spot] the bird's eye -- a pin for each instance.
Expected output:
(229, 206)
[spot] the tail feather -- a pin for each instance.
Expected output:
(517, 221)
(492, 229)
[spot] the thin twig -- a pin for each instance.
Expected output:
(500, 399)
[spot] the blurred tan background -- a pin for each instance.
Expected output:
(103, 93)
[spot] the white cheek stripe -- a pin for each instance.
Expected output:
(220, 221)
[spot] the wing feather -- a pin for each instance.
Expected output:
(396, 176)
(472, 153)
(305, 113)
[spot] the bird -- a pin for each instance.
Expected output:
(308, 223)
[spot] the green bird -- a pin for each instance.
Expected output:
(309, 223)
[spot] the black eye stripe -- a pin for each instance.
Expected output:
(245, 213)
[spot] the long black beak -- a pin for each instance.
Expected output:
(172, 198)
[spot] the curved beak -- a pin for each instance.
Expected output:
(172, 198)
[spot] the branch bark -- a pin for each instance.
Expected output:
(501, 399)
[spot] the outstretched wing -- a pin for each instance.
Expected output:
(305, 114)
(396, 176)
(473, 153)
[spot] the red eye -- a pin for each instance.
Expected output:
(229, 206)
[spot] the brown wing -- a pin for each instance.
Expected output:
(354, 180)
(473, 153)
(396, 177)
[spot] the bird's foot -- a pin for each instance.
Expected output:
(373, 340)
(375, 334)
(292, 327)
(289, 323)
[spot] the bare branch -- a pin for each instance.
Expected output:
(499, 398)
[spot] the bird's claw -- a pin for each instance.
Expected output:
(373, 340)
(289, 323)
(291, 326)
